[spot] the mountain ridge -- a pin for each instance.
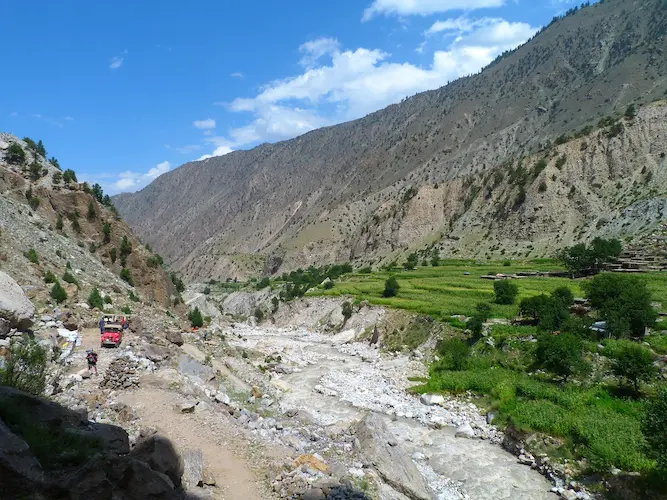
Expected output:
(306, 200)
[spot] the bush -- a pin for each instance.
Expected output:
(258, 314)
(126, 310)
(454, 354)
(550, 312)
(35, 171)
(391, 287)
(76, 226)
(561, 355)
(178, 282)
(581, 259)
(542, 187)
(624, 302)
(106, 230)
(58, 293)
(654, 428)
(195, 317)
(366, 270)
(126, 276)
(328, 285)
(207, 291)
(476, 325)
(59, 223)
(108, 299)
(125, 247)
(92, 213)
(97, 192)
(347, 310)
(113, 255)
(132, 296)
(95, 300)
(275, 303)
(49, 277)
(411, 262)
(633, 363)
(32, 256)
(506, 292)
(15, 154)
(25, 366)
(263, 283)
(631, 112)
(54, 161)
(507, 263)
(154, 261)
(483, 310)
(560, 162)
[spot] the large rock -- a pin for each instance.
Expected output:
(193, 469)
(161, 455)
(17, 464)
(14, 305)
(174, 337)
(392, 464)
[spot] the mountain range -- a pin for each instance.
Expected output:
(561, 140)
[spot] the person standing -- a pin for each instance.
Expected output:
(91, 357)
(101, 325)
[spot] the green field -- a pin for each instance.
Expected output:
(445, 290)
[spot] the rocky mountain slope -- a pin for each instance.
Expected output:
(435, 168)
(49, 226)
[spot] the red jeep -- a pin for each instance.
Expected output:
(112, 336)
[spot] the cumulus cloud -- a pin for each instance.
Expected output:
(204, 124)
(424, 7)
(338, 85)
(129, 181)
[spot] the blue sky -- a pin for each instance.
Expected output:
(124, 91)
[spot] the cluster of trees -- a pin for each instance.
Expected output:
(550, 312)
(582, 260)
(298, 282)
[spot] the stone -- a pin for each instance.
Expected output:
(174, 337)
(17, 464)
(208, 478)
(311, 461)
(156, 353)
(432, 399)
(465, 431)
(15, 307)
(313, 494)
(161, 455)
(490, 417)
(5, 326)
(281, 385)
(221, 397)
(256, 393)
(187, 407)
(193, 468)
(392, 464)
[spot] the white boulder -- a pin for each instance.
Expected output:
(15, 307)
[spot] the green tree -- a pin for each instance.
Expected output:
(178, 282)
(347, 310)
(25, 366)
(126, 276)
(54, 161)
(68, 277)
(654, 427)
(15, 154)
(56, 177)
(577, 259)
(263, 283)
(35, 171)
(106, 230)
(631, 112)
(258, 314)
(391, 287)
(506, 292)
(633, 363)
(411, 262)
(113, 255)
(95, 299)
(623, 301)
(561, 355)
(195, 317)
(92, 213)
(97, 192)
(275, 303)
(58, 293)
(40, 149)
(476, 325)
(49, 277)
(32, 256)
(69, 176)
(483, 310)
(125, 247)
(454, 355)
(59, 223)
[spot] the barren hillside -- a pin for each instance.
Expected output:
(428, 170)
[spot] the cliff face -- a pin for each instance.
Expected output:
(367, 189)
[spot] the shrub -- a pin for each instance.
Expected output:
(69, 278)
(25, 366)
(69, 176)
(92, 247)
(132, 296)
(113, 255)
(561, 355)
(520, 197)
(483, 310)
(106, 230)
(633, 363)
(92, 213)
(49, 277)
(391, 287)
(539, 167)
(125, 247)
(366, 270)
(275, 303)
(196, 319)
(207, 291)
(631, 112)
(507, 263)
(108, 299)
(624, 302)
(542, 187)
(126, 276)
(126, 310)
(560, 162)
(454, 354)
(59, 223)
(15, 154)
(654, 428)
(347, 310)
(76, 226)
(154, 261)
(263, 283)
(54, 161)
(328, 285)
(615, 130)
(178, 283)
(95, 299)
(32, 256)
(562, 139)
(58, 293)
(411, 261)
(35, 171)
(258, 314)
(476, 325)
(506, 292)
(97, 192)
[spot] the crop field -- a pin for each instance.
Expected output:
(447, 290)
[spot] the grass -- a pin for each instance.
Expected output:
(592, 423)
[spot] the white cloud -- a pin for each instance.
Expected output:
(129, 181)
(424, 7)
(184, 149)
(315, 49)
(204, 124)
(237, 74)
(352, 83)
(116, 62)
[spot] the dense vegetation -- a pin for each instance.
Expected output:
(553, 375)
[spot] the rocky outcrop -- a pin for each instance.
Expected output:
(93, 463)
(15, 307)
(392, 464)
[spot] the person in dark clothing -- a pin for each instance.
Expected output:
(101, 326)
(91, 357)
